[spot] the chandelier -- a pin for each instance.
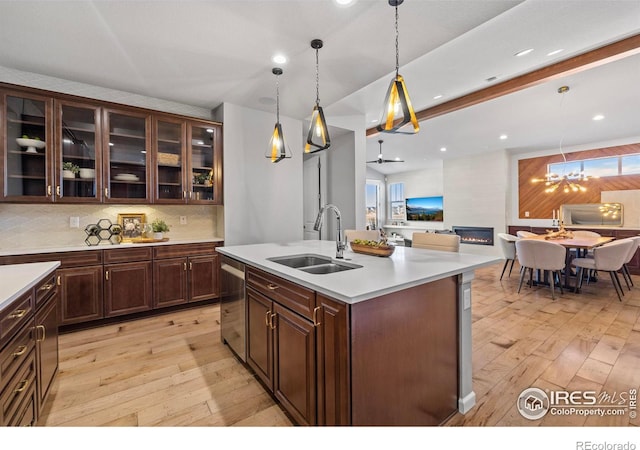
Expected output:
(565, 182)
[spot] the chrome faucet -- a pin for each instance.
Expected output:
(340, 244)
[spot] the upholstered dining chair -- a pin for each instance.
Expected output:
(632, 251)
(367, 235)
(541, 255)
(577, 234)
(436, 241)
(607, 258)
(508, 247)
(522, 233)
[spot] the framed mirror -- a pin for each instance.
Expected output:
(603, 215)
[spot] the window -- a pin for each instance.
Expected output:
(611, 166)
(372, 206)
(396, 201)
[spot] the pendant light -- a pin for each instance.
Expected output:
(318, 136)
(569, 182)
(277, 150)
(397, 111)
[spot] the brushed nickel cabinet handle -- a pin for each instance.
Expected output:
(24, 383)
(106, 192)
(184, 195)
(17, 314)
(315, 316)
(58, 190)
(106, 275)
(266, 318)
(49, 190)
(59, 281)
(190, 265)
(20, 351)
(46, 287)
(272, 286)
(185, 266)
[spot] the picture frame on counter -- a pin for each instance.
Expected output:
(132, 225)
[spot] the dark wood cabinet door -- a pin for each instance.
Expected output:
(294, 358)
(332, 350)
(128, 288)
(47, 346)
(204, 154)
(260, 336)
(80, 294)
(203, 278)
(170, 282)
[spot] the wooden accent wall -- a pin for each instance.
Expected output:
(540, 205)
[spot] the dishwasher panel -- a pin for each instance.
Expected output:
(233, 306)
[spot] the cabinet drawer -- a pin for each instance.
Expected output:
(15, 354)
(14, 316)
(293, 296)
(45, 289)
(181, 250)
(127, 255)
(67, 259)
(16, 392)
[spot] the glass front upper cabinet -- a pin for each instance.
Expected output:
(79, 152)
(169, 157)
(28, 165)
(205, 155)
(126, 161)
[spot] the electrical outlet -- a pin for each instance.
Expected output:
(183, 220)
(526, 213)
(74, 222)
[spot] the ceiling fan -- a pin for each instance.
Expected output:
(380, 160)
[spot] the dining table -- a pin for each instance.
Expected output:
(573, 243)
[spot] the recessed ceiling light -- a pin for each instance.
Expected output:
(397, 158)
(555, 52)
(503, 136)
(279, 58)
(437, 97)
(345, 2)
(443, 149)
(524, 52)
(374, 120)
(598, 117)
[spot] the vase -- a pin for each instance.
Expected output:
(157, 235)
(68, 174)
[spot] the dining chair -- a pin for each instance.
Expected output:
(607, 258)
(577, 234)
(436, 241)
(522, 233)
(632, 252)
(508, 247)
(541, 255)
(366, 235)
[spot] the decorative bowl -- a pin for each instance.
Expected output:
(382, 250)
(87, 173)
(31, 144)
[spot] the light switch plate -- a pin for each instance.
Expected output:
(74, 222)
(183, 220)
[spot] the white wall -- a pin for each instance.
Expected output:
(263, 200)
(475, 193)
(341, 186)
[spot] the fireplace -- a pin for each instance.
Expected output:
(474, 235)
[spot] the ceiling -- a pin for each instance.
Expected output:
(203, 53)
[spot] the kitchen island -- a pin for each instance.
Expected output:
(385, 342)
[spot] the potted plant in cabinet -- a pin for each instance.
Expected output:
(69, 170)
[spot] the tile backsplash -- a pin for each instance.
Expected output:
(41, 226)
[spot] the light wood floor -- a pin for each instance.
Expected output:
(172, 370)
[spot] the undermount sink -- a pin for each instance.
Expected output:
(316, 264)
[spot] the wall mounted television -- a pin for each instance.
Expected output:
(425, 209)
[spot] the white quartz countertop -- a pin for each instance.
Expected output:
(405, 268)
(16, 279)
(105, 246)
